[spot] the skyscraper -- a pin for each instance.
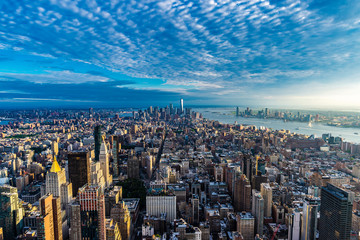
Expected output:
(181, 106)
(335, 213)
(237, 111)
(45, 222)
(55, 177)
(133, 165)
(88, 214)
(266, 193)
(104, 163)
(258, 211)
(121, 215)
(294, 225)
(242, 193)
(11, 212)
(79, 169)
(309, 220)
(49, 223)
(97, 140)
(245, 225)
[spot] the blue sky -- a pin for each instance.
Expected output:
(151, 52)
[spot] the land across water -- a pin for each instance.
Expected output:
(226, 115)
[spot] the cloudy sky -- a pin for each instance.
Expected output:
(210, 52)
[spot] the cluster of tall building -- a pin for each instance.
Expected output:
(167, 173)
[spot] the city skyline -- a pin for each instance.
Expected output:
(119, 54)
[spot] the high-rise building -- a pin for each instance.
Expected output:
(181, 106)
(237, 111)
(112, 230)
(242, 193)
(97, 140)
(258, 211)
(55, 178)
(309, 219)
(294, 225)
(335, 213)
(56, 208)
(104, 162)
(121, 215)
(75, 222)
(11, 212)
(266, 193)
(133, 166)
(88, 215)
(245, 225)
(49, 223)
(195, 210)
(79, 169)
(157, 205)
(45, 222)
(115, 155)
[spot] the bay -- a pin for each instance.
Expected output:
(225, 115)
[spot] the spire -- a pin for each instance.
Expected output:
(55, 166)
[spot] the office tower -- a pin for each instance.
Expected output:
(237, 111)
(97, 140)
(247, 166)
(75, 222)
(245, 225)
(49, 223)
(104, 162)
(195, 210)
(115, 155)
(335, 213)
(121, 215)
(258, 211)
(133, 166)
(79, 169)
(97, 177)
(11, 212)
(266, 193)
(181, 106)
(56, 207)
(294, 225)
(309, 219)
(112, 230)
(45, 222)
(156, 205)
(88, 215)
(55, 178)
(242, 193)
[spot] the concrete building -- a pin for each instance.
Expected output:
(156, 205)
(266, 193)
(258, 212)
(121, 215)
(245, 225)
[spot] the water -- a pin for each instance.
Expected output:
(225, 115)
(3, 122)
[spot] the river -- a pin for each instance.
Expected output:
(225, 115)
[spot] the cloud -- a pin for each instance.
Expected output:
(60, 77)
(194, 46)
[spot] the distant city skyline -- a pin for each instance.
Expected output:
(287, 54)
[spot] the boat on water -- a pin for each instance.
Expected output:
(297, 128)
(356, 133)
(310, 125)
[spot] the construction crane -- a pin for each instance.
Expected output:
(276, 230)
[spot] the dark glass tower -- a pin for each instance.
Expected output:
(79, 169)
(97, 139)
(335, 213)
